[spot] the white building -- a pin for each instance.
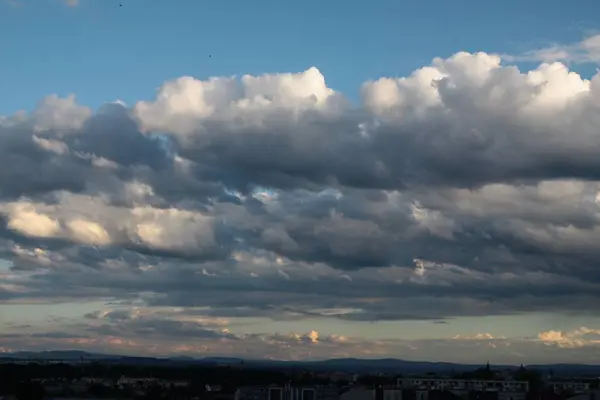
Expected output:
(464, 384)
(570, 386)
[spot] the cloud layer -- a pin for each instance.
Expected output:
(583, 52)
(468, 188)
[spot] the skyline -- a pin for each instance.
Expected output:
(448, 212)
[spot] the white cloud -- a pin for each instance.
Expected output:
(60, 114)
(585, 51)
(92, 221)
(182, 104)
(88, 232)
(24, 219)
(173, 229)
(581, 337)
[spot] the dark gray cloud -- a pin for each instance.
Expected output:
(466, 189)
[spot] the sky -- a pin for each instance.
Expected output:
(301, 180)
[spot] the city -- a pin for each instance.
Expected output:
(33, 380)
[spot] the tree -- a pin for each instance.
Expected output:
(532, 376)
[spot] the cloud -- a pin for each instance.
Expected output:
(467, 188)
(581, 337)
(585, 51)
(172, 332)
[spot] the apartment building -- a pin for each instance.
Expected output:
(286, 392)
(465, 385)
(395, 393)
(569, 386)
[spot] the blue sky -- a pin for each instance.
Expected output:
(104, 50)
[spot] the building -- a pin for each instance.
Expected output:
(286, 392)
(465, 385)
(359, 393)
(395, 393)
(392, 394)
(443, 389)
(569, 386)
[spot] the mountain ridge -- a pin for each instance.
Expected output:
(340, 364)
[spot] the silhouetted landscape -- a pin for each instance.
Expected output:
(32, 376)
(343, 364)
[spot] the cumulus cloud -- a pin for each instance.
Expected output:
(581, 337)
(467, 188)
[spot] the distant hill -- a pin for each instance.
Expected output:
(574, 369)
(224, 360)
(340, 364)
(371, 365)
